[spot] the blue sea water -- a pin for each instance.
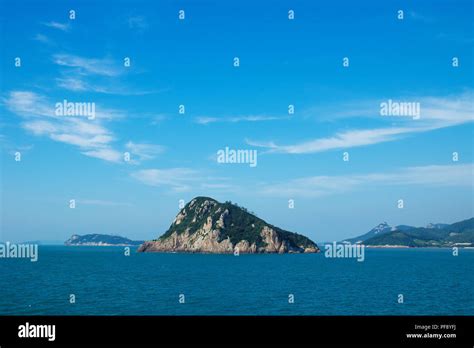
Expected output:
(106, 282)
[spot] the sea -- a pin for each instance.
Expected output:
(105, 281)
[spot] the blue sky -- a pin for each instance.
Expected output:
(190, 62)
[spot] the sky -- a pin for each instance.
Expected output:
(190, 63)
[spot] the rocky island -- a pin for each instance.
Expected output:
(100, 240)
(206, 226)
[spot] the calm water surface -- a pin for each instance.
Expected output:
(105, 282)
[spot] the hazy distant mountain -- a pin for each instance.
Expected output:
(380, 229)
(436, 235)
(205, 225)
(431, 225)
(43, 242)
(100, 240)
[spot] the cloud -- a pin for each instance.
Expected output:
(73, 84)
(79, 84)
(98, 202)
(137, 22)
(89, 66)
(436, 113)
(106, 154)
(11, 146)
(183, 179)
(420, 17)
(316, 186)
(82, 134)
(453, 109)
(448, 111)
(38, 114)
(218, 186)
(235, 119)
(42, 38)
(57, 25)
(26, 103)
(92, 138)
(31, 104)
(99, 75)
(158, 119)
(177, 179)
(341, 140)
(144, 151)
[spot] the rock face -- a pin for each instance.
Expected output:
(206, 226)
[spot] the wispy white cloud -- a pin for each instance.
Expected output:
(38, 114)
(106, 154)
(420, 17)
(10, 145)
(92, 140)
(79, 84)
(82, 134)
(341, 140)
(453, 109)
(73, 84)
(235, 119)
(157, 119)
(436, 113)
(218, 186)
(42, 38)
(144, 151)
(99, 202)
(57, 25)
(448, 111)
(315, 186)
(183, 179)
(177, 179)
(31, 104)
(138, 23)
(92, 137)
(28, 104)
(89, 66)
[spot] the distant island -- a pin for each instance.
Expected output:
(100, 240)
(459, 234)
(206, 226)
(44, 242)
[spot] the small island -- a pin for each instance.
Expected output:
(205, 225)
(100, 240)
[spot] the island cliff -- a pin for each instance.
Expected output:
(206, 226)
